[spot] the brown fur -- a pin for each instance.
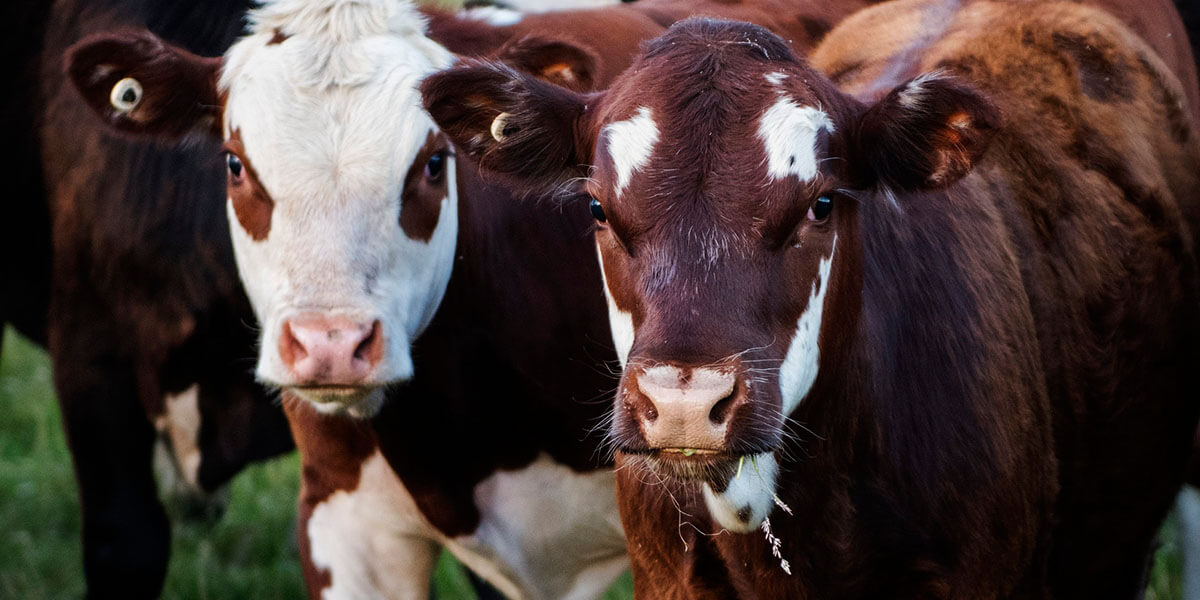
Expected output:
(141, 296)
(251, 202)
(1004, 405)
(422, 196)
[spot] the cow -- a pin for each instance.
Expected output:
(135, 294)
(915, 319)
(443, 349)
(137, 301)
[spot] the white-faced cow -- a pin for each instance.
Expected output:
(135, 293)
(372, 258)
(931, 327)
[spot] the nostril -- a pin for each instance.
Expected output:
(370, 349)
(291, 349)
(720, 410)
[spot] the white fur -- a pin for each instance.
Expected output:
(753, 487)
(799, 369)
(619, 322)
(331, 119)
(494, 15)
(180, 422)
(373, 540)
(546, 533)
(789, 135)
(531, 6)
(775, 77)
(630, 143)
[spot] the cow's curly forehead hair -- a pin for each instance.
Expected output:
(695, 36)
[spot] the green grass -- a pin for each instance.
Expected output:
(249, 553)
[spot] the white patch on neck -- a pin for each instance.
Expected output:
(619, 322)
(750, 494)
(546, 531)
(494, 15)
(799, 369)
(373, 540)
(630, 143)
(775, 77)
(789, 135)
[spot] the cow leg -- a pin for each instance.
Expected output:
(126, 535)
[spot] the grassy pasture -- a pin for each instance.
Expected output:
(248, 553)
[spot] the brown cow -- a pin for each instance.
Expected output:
(934, 333)
(351, 244)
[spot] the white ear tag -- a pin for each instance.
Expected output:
(126, 95)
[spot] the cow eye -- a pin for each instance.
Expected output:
(821, 209)
(235, 165)
(597, 211)
(435, 168)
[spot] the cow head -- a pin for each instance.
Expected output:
(726, 178)
(341, 191)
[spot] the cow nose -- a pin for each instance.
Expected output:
(330, 350)
(686, 409)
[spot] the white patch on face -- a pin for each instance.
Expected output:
(799, 369)
(546, 531)
(331, 120)
(494, 15)
(775, 77)
(373, 540)
(751, 493)
(789, 135)
(630, 143)
(619, 322)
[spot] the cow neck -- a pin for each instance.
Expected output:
(513, 364)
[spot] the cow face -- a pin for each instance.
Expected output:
(725, 177)
(341, 192)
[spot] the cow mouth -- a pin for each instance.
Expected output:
(358, 400)
(692, 465)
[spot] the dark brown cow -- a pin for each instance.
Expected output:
(484, 451)
(135, 298)
(934, 333)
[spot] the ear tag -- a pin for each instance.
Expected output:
(498, 126)
(126, 95)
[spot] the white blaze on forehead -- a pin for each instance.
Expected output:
(630, 143)
(619, 321)
(799, 369)
(789, 135)
(748, 498)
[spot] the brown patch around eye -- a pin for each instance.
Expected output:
(421, 200)
(251, 203)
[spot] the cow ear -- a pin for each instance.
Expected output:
(141, 85)
(523, 129)
(926, 133)
(561, 63)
